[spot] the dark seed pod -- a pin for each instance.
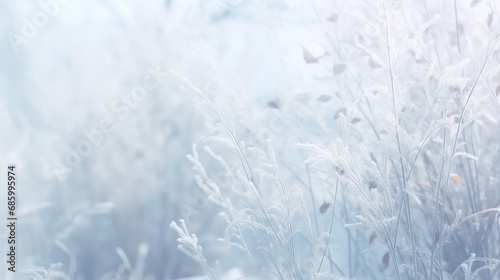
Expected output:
(324, 207)
(385, 260)
(273, 104)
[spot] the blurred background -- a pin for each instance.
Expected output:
(88, 198)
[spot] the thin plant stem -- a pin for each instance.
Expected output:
(331, 226)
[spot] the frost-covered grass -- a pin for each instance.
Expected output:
(386, 169)
(291, 140)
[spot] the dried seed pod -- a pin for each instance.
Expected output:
(373, 64)
(339, 68)
(385, 260)
(324, 207)
(333, 18)
(308, 57)
(303, 97)
(455, 178)
(324, 98)
(273, 105)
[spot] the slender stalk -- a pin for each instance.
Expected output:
(457, 27)
(396, 127)
(331, 226)
(434, 230)
(457, 133)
